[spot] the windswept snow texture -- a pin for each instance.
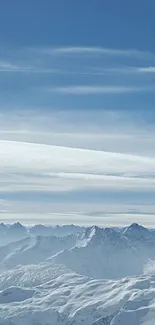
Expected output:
(90, 276)
(13, 294)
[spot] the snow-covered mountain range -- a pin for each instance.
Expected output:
(85, 276)
(16, 231)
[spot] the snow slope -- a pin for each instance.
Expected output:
(14, 294)
(115, 254)
(97, 277)
(106, 253)
(60, 296)
(33, 250)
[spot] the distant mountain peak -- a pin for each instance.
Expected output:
(2, 225)
(94, 230)
(135, 225)
(136, 231)
(17, 225)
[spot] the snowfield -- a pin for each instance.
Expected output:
(92, 277)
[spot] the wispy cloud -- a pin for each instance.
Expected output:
(14, 68)
(95, 90)
(81, 180)
(122, 70)
(81, 50)
(8, 66)
(117, 70)
(146, 69)
(24, 62)
(88, 50)
(24, 68)
(96, 129)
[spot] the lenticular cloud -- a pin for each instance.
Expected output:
(62, 168)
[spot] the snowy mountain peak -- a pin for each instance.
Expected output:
(135, 226)
(2, 225)
(17, 226)
(137, 231)
(91, 234)
(99, 236)
(93, 231)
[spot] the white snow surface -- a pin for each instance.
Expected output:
(97, 277)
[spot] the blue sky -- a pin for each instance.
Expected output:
(77, 74)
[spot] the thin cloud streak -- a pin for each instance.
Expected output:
(9, 67)
(61, 218)
(95, 90)
(122, 70)
(80, 50)
(28, 66)
(90, 50)
(147, 69)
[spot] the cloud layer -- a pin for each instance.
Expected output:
(34, 167)
(77, 132)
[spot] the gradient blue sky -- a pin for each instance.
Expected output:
(77, 74)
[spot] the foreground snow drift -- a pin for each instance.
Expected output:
(13, 294)
(59, 296)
